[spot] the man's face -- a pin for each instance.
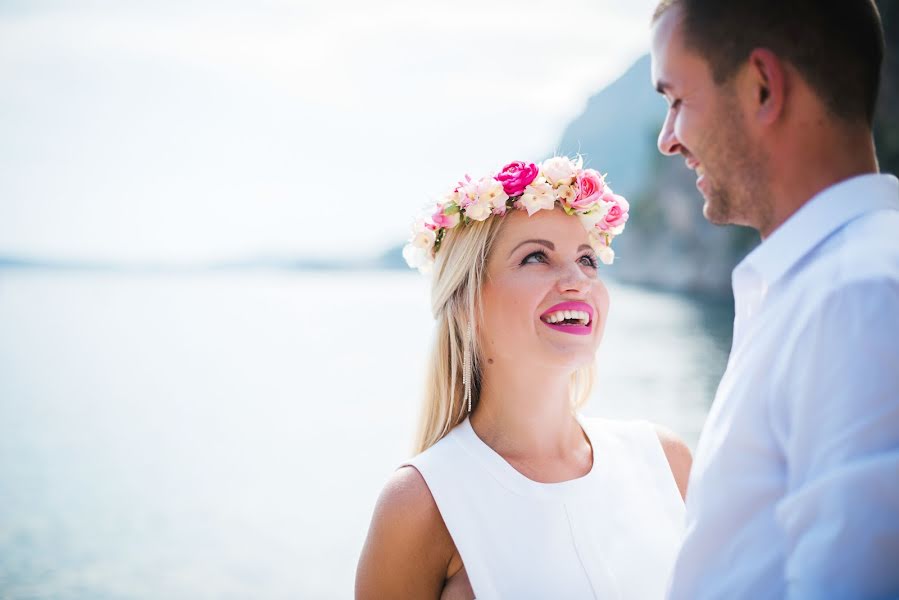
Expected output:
(704, 123)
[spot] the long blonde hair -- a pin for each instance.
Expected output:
(458, 277)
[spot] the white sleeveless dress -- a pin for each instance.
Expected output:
(612, 533)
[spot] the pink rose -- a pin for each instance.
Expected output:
(516, 176)
(618, 212)
(591, 188)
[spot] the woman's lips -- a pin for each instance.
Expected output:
(570, 310)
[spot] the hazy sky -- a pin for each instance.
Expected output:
(202, 130)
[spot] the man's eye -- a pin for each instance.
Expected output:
(675, 104)
(534, 257)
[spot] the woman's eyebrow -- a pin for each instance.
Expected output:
(546, 243)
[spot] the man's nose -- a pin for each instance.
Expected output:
(668, 142)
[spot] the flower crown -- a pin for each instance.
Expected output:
(525, 186)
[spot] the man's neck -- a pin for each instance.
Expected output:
(813, 163)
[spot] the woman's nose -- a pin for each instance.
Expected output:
(574, 279)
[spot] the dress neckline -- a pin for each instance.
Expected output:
(513, 479)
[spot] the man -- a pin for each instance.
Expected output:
(795, 485)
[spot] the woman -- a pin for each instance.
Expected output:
(513, 494)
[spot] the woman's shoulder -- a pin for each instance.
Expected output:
(680, 459)
(407, 540)
(651, 436)
(406, 495)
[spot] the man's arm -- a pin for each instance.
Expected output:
(841, 512)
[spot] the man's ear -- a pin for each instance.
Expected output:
(767, 81)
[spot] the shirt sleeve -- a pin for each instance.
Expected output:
(840, 515)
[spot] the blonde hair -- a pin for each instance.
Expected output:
(458, 277)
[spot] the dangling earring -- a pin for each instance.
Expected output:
(466, 369)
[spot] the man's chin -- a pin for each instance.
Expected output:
(712, 212)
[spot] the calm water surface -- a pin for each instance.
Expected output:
(225, 435)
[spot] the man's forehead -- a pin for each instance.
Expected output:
(666, 29)
(667, 43)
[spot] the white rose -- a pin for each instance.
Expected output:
(538, 195)
(560, 170)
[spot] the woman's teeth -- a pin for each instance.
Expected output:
(580, 316)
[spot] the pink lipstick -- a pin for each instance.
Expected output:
(570, 317)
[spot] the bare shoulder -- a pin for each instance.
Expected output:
(680, 459)
(408, 548)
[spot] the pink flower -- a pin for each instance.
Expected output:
(617, 215)
(591, 188)
(444, 220)
(516, 176)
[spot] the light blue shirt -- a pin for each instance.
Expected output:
(795, 485)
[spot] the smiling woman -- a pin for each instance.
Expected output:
(513, 493)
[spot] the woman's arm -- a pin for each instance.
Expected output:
(679, 457)
(408, 549)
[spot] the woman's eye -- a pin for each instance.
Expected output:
(589, 261)
(534, 257)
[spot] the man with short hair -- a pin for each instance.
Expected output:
(795, 484)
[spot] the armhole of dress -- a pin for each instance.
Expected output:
(480, 581)
(655, 455)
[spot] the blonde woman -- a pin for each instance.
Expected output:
(514, 494)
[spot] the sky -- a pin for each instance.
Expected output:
(199, 130)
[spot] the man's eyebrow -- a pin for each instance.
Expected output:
(546, 243)
(662, 86)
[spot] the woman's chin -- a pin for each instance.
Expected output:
(569, 357)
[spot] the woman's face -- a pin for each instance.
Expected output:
(542, 300)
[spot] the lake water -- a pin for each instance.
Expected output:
(225, 435)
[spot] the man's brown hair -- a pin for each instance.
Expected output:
(836, 45)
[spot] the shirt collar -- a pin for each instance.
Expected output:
(826, 212)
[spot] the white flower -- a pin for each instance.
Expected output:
(492, 190)
(482, 197)
(594, 216)
(453, 197)
(600, 241)
(613, 231)
(538, 195)
(422, 236)
(560, 170)
(478, 211)
(606, 255)
(566, 193)
(418, 258)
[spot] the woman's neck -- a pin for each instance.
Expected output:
(525, 413)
